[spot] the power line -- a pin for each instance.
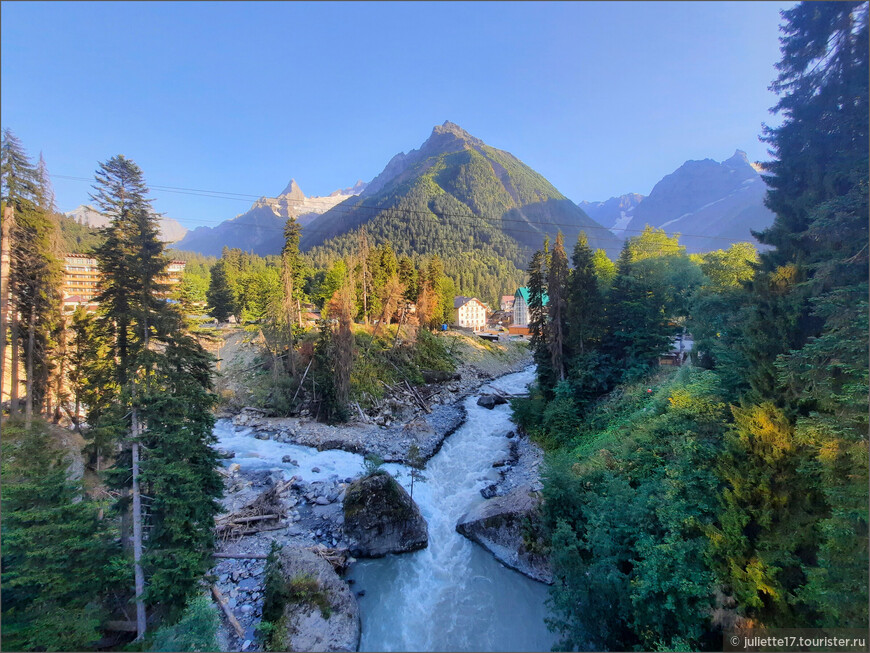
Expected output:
(492, 221)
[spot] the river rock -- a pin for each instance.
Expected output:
(491, 401)
(305, 627)
(497, 525)
(382, 518)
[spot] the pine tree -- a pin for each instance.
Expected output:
(818, 180)
(291, 273)
(56, 550)
(538, 328)
(161, 398)
(221, 298)
(557, 308)
(584, 300)
(34, 272)
(178, 471)
(637, 326)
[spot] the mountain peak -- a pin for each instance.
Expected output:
(452, 129)
(738, 158)
(292, 189)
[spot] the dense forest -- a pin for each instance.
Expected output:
(681, 502)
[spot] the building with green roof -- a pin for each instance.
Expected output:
(521, 306)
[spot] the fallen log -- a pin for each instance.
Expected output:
(418, 398)
(221, 601)
(241, 520)
(229, 529)
(241, 556)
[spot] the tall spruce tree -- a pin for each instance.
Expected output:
(538, 328)
(162, 398)
(584, 300)
(221, 297)
(589, 371)
(557, 308)
(637, 326)
(291, 275)
(35, 272)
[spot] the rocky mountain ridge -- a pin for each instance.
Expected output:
(260, 228)
(712, 204)
(171, 230)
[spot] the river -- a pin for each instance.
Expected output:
(453, 595)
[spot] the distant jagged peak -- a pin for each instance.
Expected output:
(356, 189)
(739, 158)
(292, 191)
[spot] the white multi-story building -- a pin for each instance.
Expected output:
(469, 312)
(521, 307)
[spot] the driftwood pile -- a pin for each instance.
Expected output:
(262, 514)
(339, 558)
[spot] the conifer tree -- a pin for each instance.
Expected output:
(56, 550)
(637, 327)
(291, 273)
(557, 308)
(161, 389)
(221, 297)
(35, 271)
(806, 335)
(538, 327)
(583, 300)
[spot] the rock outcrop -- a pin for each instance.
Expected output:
(497, 525)
(382, 518)
(306, 627)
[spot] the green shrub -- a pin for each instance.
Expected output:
(195, 631)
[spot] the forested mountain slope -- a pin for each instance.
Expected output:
(479, 208)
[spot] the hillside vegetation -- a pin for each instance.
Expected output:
(731, 494)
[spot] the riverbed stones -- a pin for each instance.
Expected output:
(306, 628)
(491, 401)
(382, 518)
(497, 525)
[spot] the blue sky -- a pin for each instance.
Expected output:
(601, 98)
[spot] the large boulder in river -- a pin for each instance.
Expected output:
(321, 613)
(491, 401)
(382, 518)
(498, 524)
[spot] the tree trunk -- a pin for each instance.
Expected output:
(31, 333)
(137, 534)
(13, 390)
(61, 371)
(5, 266)
(288, 291)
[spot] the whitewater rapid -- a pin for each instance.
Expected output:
(453, 595)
